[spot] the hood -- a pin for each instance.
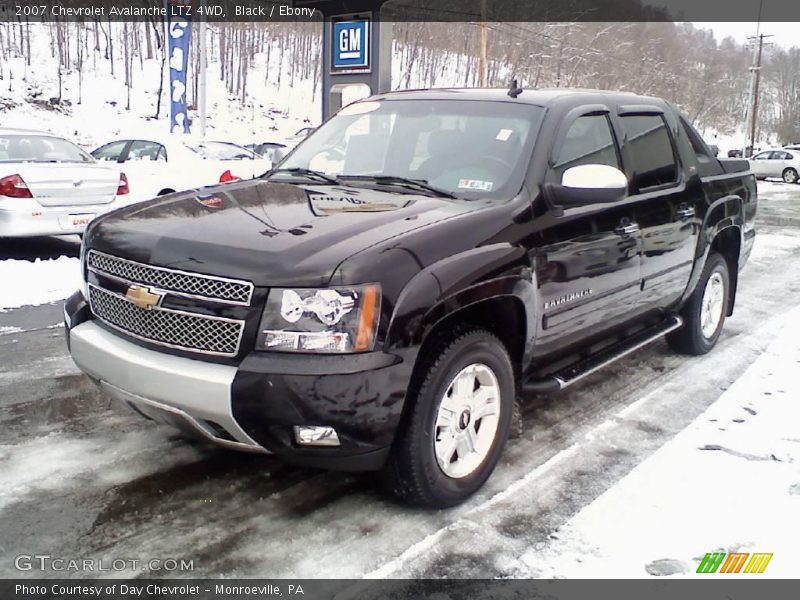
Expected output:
(272, 234)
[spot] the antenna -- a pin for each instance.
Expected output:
(514, 90)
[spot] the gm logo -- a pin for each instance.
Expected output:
(351, 44)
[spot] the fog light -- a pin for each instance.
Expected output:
(311, 435)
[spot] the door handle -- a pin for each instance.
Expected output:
(684, 212)
(625, 229)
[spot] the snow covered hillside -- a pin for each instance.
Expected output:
(271, 112)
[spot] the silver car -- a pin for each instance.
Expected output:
(49, 186)
(779, 162)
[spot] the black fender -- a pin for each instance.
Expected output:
(459, 282)
(722, 214)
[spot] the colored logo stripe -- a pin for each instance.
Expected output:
(734, 562)
(711, 562)
(758, 563)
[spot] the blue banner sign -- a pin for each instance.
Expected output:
(179, 34)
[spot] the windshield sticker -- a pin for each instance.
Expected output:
(475, 184)
(504, 134)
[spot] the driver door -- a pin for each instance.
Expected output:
(588, 260)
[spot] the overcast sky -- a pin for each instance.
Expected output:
(785, 34)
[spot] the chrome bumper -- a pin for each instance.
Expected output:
(189, 394)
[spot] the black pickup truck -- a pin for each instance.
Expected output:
(381, 299)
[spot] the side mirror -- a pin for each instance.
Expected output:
(587, 184)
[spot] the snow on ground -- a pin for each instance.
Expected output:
(729, 482)
(38, 282)
(269, 113)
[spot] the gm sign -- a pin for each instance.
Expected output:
(351, 45)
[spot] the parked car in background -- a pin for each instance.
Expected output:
(792, 147)
(777, 162)
(274, 151)
(162, 165)
(49, 186)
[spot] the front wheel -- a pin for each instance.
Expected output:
(458, 422)
(705, 310)
(790, 176)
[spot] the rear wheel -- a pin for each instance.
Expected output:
(458, 422)
(790, 175)
(704, 312)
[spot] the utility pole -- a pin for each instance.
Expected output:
(483, 66)
(756, 84)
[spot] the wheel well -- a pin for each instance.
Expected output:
(728, 243)
(503, 316)
(166, 191)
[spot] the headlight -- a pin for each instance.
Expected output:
(329, 320)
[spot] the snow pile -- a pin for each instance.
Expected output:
(728, 483)
(38, 282)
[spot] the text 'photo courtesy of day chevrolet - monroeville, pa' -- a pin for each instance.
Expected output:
(399, 299)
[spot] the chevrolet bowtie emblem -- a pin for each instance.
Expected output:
(143, 297)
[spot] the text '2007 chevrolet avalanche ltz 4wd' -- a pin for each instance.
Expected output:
(379, 299)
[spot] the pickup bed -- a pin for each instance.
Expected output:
(380, 299)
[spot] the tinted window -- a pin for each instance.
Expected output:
(589, 141)
(110, 151)
(698, 145)
(652, 158)
(142, 150)
(763, 156)
(40, 149)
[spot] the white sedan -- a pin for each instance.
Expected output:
(49, 186)
(778, 162)
(157, 166)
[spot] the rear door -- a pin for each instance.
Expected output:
(763, 165)
(587, 261)
(664, 203)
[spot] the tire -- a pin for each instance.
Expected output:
(789, 175)
(698, 335)
(413, 473)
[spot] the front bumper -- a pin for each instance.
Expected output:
(253, 406)
(27, 218)
(188, 394)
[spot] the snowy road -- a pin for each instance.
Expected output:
(82, 478)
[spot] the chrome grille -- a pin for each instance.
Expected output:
(218, 289)
(175, 329)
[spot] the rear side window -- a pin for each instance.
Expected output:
(144, 150)
(111, 151)
(589, 141)
(652, 156)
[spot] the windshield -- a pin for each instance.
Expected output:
(221, 151)
(469, 148)
(40, 149)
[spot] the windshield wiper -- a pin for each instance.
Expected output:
(417, 184)
(310, 173)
